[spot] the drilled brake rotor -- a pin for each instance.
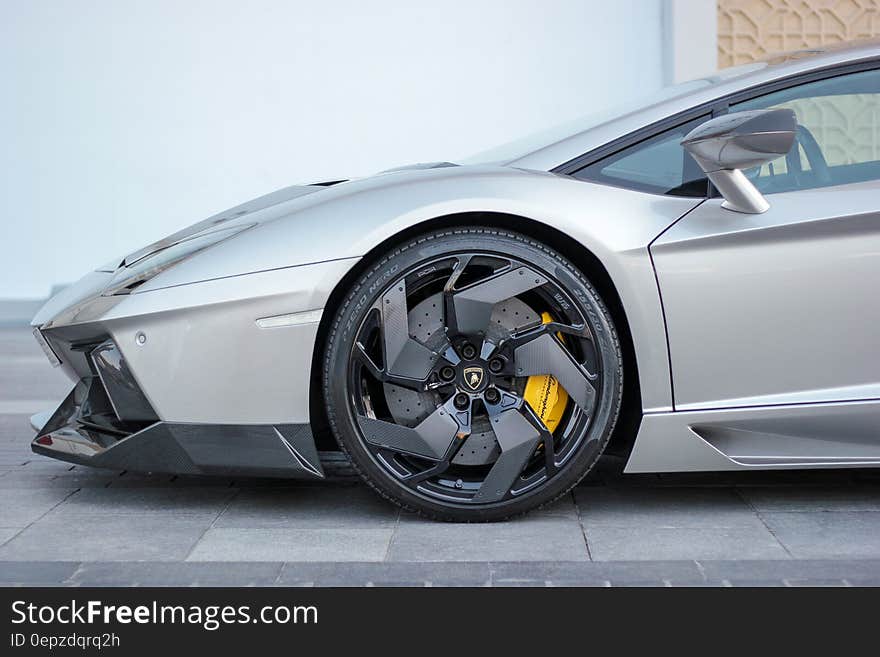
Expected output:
(409, 407)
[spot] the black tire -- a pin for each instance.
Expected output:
(590, 422)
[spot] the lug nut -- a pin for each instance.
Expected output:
(461, 401)
(496, 365)
(493, 396)
(468, 351)
(447, 373)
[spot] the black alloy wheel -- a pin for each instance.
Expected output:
(473, 374)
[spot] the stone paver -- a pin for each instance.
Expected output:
(68, 525)
(340, 544)
(673, 523)
(37, 573)
(813, 498)
(22, 506)
(697, 508)
(90, 503)
(827, 535)
(539, 537)
(106, 538)
(677, 543)
(176, 573)
(7, 533)
(386, 574)
(27, 476)
(330, 506)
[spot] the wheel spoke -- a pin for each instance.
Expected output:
(449, 315)
(463, 419)
(550, 328)
(418, 477)
(545, 355)
(404, 356)
(518, 438)
(468, 311)
(360, 354)
(546, 438)
(433, 438)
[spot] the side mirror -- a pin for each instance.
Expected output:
(726, 145)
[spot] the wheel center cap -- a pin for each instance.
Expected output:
(473, 378)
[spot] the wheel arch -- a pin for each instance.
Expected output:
(631, 407)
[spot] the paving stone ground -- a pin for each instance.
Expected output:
(71, 525)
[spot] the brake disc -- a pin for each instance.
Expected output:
(409, 407)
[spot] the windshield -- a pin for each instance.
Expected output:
(521, 147)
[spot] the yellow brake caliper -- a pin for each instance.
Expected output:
(544, 394)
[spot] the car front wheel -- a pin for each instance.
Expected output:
(473, 374)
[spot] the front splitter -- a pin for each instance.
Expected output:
(286, 450)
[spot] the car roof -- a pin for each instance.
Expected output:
(725, 82)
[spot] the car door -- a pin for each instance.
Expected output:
(784, 307)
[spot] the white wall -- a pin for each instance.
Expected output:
(690, 30)
(122, 120)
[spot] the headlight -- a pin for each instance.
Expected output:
(127, 278)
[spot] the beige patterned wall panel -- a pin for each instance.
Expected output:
(752, 29)
(847, 128)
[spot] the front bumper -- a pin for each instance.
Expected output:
(106, 422)
(198, 379)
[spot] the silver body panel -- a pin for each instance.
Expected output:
(796, 436)
(754, 303)
(730, 314)
(261, 375)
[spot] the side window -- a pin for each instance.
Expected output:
(658, 165)
(838, 138)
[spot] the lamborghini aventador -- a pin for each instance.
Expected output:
(690, 283)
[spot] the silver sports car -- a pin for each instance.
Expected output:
(692, 283)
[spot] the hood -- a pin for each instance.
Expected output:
(419, 166)
(223, 219)
(294, 226)
(226, 218)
